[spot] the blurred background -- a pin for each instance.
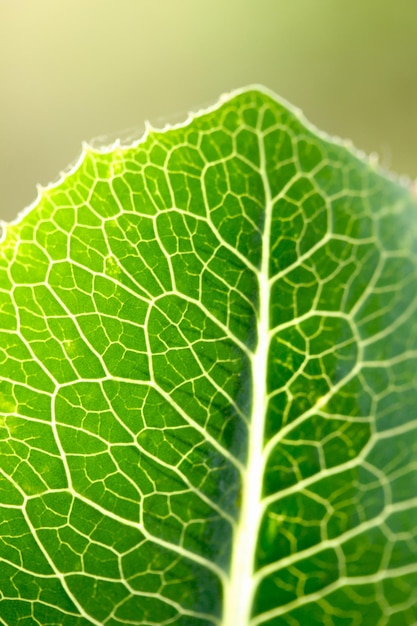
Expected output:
(84, 69)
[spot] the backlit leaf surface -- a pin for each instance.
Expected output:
(208, 357)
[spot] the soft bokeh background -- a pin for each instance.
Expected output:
(78, 69)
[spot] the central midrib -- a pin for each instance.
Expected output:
(239, 592)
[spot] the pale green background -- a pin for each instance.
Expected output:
(77, 69)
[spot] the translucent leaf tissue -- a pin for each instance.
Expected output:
(208, 383)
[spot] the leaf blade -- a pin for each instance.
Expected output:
(215, 328)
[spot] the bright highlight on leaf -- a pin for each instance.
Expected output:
(208, 384)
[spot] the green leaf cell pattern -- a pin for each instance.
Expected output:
(208, 384)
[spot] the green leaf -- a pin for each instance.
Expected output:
(208, 384)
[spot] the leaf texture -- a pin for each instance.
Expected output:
(208, 384)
